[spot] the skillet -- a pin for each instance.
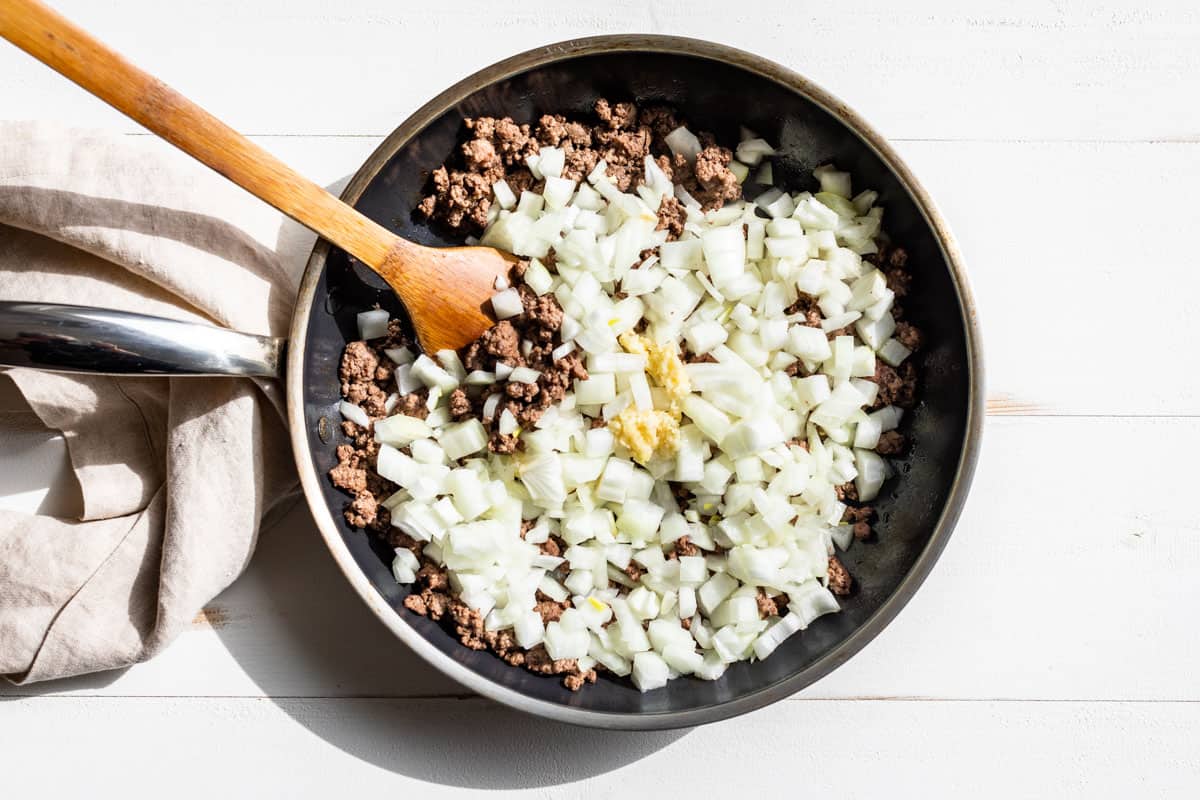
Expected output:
(715, 88)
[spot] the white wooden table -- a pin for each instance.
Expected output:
(1053, 652)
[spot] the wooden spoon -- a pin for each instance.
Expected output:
(445, 290)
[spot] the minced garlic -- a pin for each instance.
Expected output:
(646, 433)
(662, 364)
(650, 433)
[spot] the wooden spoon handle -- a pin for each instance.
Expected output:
(67, 49)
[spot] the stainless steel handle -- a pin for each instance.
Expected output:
(63, 338)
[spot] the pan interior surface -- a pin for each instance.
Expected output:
(713, 95)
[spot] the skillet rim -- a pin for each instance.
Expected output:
(908, 585)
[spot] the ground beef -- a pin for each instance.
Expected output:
(891, 443)
(358, 371)
(459, 194)
(718, 185)
(771, 606)
(908, 335)
(617, 116)
(708, 180)
(661, 120)
(431, 598)
(555, 130)
(363, 510)
(460, 200)
(499, 343)
(542, 316)
(893, 262)
(460, 405)
(671, 217)
(538, 325)
(366, 376)
(550, 610)
(539, 661)
(433, 577)
(860, 518)
(839, 579)
(683, 547)
(688, 357)
(503, 443)
(897, 386)
(806, 304)
(413, 404)
(461, 197)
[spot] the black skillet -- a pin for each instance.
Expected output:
(717, 89)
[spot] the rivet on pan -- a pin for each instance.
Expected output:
(323, 430)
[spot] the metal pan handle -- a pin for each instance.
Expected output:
(64, 338)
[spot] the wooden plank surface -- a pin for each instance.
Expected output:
(1025, 69)
(1052, 651)
(204, 748)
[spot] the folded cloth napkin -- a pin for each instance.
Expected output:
(176, 473)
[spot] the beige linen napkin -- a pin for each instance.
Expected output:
(176, 473)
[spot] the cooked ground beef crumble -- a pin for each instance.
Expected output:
(460, 198)
(622, 136)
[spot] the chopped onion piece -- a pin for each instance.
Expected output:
(405, 566)
(893, 353)
(615, 480)
(400, 355)
(683, 142)
(400, 430)
(373, 324)
(463, 438)
(751, 151)
(872, 472)
(354, 413)
(524, 375)
(649, 671)
(551, 161)
(597, 389)
(429, 373)
(504, 194)
(751, 436)
(724, 253)
(835, 182)
(507, 304)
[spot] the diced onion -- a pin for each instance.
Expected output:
(762, 427)
(373, 324)
(463, 438)
(684, 143)
(507, 304)
(751, 151)
(399, 430)
(649, 671)
(354, 413)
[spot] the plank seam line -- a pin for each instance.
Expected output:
(469, 696)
